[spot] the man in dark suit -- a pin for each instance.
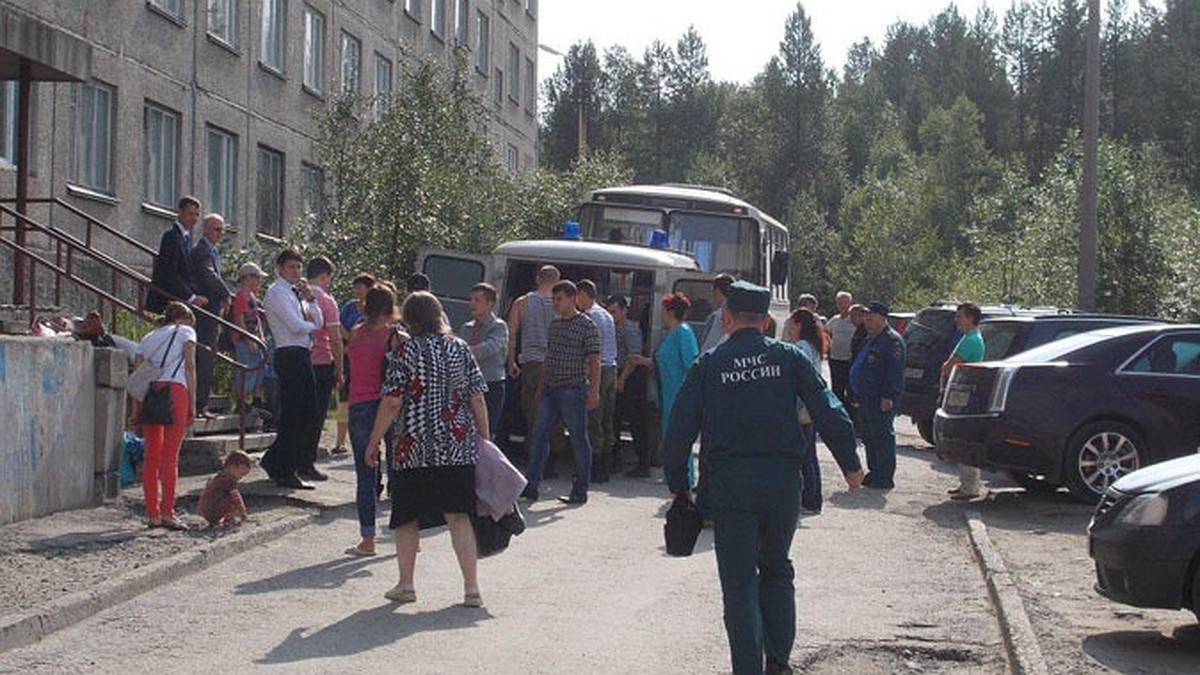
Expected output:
(206, 267)
(173, 265)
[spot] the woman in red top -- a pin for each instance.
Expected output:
(245, 312)
(367, 351)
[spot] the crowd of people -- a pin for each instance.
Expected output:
(416, 396)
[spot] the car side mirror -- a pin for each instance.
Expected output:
(781, 264)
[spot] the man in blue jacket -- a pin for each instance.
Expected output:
(877, 378)
(743, 396)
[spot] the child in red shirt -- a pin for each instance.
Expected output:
(221, 503)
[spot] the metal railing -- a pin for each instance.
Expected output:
(68, 248)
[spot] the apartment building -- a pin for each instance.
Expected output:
(216, 98)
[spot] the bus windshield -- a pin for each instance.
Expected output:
(720, 243)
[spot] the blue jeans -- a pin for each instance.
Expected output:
(810, 470)
(247, 352)
(566, 403)
(362, 420)
(494, 398)
(879, 439)
(752, 537)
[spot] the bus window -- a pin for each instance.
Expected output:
(619, 225)
(719, 243)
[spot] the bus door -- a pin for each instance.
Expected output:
(451, 276)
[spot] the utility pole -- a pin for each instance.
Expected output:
(1091, 141)
(581, 102)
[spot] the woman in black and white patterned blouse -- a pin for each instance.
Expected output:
(435, 386)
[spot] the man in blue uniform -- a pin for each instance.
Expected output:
(742, 395)
(877, 378)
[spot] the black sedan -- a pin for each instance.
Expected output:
(1145, 537)
(1082, 411)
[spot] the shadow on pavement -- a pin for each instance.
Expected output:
(332, 573)
(1132, 651)
(862, 498)
(368, 629)
(74, 544)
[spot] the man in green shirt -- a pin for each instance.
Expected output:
(969, 350)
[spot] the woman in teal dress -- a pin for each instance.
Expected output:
(676, 353)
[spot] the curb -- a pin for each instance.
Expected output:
(23, 629)
(1024, 652)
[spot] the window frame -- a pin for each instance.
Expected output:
(349, 39)
(313, 55)
(483, 39)
(530, 86)
(437, 19)
(8, 124)
(412, 9)
(277, 10)
(514, 73)
(230, 8)
(150, 182)
(497, 87)
(531, 8)
(312, 205)
(108, 186)
(280, 194)
(381, 98)
(175, 16)
(462, 23)
(230, 142)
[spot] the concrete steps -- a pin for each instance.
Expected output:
(224, 423)
(211, 439)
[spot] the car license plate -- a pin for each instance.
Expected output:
(914, 373)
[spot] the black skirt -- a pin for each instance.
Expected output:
(427, 493)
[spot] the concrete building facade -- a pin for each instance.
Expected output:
(215, 98)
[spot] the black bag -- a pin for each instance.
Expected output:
(156, 406)
(490, 537)
(684, 522)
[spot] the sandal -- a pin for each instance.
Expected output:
(175, 524)
(357, 551)
(401, 595)
(472, 599)
(153, 523)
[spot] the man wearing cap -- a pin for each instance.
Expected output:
(750, 459)
(877, 378)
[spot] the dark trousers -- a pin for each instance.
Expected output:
(206, 334)
(879, 439)
(839, 383)
(631, 409)
(366, 496)
(297, 406)
(325, 382)
(494, 398)
(810, 470)
(752, 537)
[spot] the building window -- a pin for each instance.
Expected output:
(514, 72)
(483, 43)
(223, 21)
(511, 158)
(274, 21)
(313, 179)
(498, 87)
(351, 64)
(8, 124)
(92, 106)
(161, 133)
(530, 86)
(314, 51)
(413, 8)
(462, 15)
(270, 191)
(221, 187)
(383, 86)
(531, 8)
(437, 18)
(172, 8)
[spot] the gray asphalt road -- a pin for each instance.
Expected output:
(882, 585)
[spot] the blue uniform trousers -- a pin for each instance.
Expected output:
(879, 439)
(752, 534)
(810, 470)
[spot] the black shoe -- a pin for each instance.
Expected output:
(529, 494)
(638, 472)
(294, 483)
(312, 473)
(777, 668)
(574, 499)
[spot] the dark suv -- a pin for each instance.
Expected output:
(931, 335)
(1005, 336)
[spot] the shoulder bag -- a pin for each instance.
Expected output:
(138, 382)
(156, 405)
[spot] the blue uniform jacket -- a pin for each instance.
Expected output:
(742, 395)
(878, 370)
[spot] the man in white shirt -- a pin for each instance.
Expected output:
(713, 335)
(841, 336)
(293, 315)
(600, 421)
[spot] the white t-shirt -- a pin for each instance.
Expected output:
(153, 347)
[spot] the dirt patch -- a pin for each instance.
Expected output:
(901, 659)
(46, 558)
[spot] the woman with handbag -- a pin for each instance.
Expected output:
(168, 409)
(676, 352)
(435, 383)
(367, 352)
(806, 332)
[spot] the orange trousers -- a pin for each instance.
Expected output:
(162, 455)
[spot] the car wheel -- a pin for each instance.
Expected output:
(925, 428)
(1097, 455)
(1032, 483)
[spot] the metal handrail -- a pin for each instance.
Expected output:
(91, 220)
(144, 285)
